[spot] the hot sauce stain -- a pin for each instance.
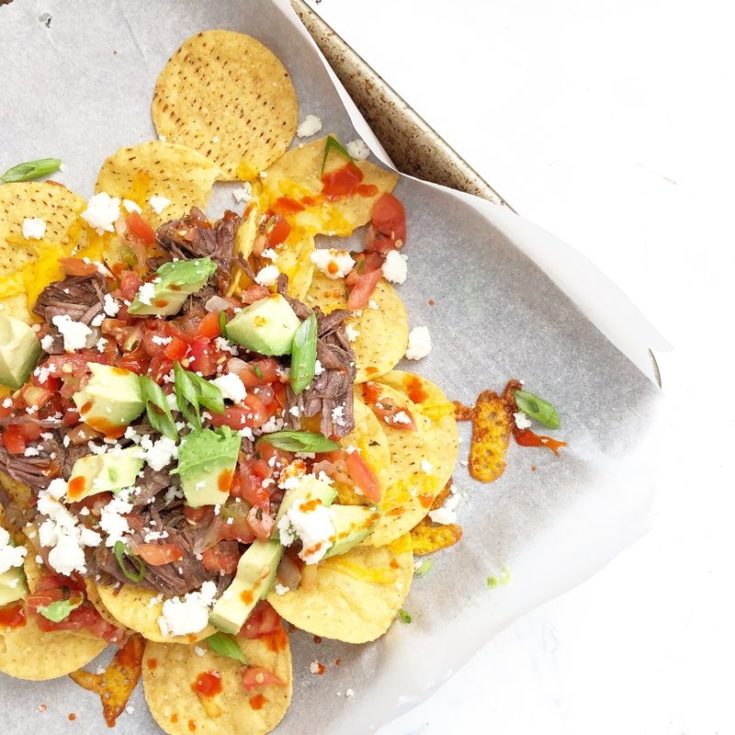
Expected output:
(224, 481)
(366, 190)
(76, 487)
(72, 717)
(426, 500)
(394, 564)
(342, 182)
(276, 641)
(174, 718)
(246, 596)
(528, 438)
(257, 701)
(208, 683)
(337, 661)
(12, 616)
(310, 505)
(192, 726)
(415, 390)
(317, 639)
(285, 205)
(161, 303)
(152, 664)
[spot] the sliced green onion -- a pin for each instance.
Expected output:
(223, 324)
(303, 354)
(225, 645)
(333, 144)
(208, 394)
(405, 616)
(258, 372)
(299, 441)
(61, 609)
(156, 404)
(30, 170)
(537, 408)
(500, 579)
(424, 569)
(186, 396)
(132, 566)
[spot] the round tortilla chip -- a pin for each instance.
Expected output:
(357, 595)
(155, 168)
(170, 670)
(229, 97)
(133, 608)
(27, 266)
(382, 333)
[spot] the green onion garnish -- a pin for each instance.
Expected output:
(258, 372)
(157, 408)
(500, 579)
(424, 569)
(299, 441)
(223, 324)
(30, 170)
(132, 566)
(225, 645)
(537, 408)
(303, 354)
(404, 615)
(186, 396)
(333, 144)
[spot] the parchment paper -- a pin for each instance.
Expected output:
(78, 86)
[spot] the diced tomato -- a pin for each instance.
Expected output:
(252, 415)
(388, 225)
(222, 558)
(203, 357)
(209, 326)
(196, 516)
(6, 410)
(371, 392)
(361, 474)
(264, 620)
(71, 418)
(274, 457)
(363, 288)
(137, 360)
(175, 349)
(152, 341)
(233, 523)
(256, 677)
(35, 396)
(94, 503)
(159, 366)
(249, 484)
(13, 440)
(130, 282)
(261, 522)
(277, 230)
(259, 372)
(140, 229)
(254, 293)
(68, 365)
(77, 267)
(158, 554)
(386, 408)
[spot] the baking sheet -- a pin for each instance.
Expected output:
(79, 87)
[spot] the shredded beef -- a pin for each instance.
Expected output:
(194, 236)
(31, 471)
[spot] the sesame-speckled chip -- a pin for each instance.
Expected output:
(491, 430)
(174, 177)
(229, 97)
(172, 674)
(357, 595)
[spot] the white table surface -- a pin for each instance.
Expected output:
(610, 123)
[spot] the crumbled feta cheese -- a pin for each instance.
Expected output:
(395, 267)
(281, 589)
(332, 262)
(47, 342)
(74, 333)
(97, 320)
(349, 693)
(446, 514)
(268, 275)
(231, 386)
(188, 614)
(131, 206)
(199, 651)
(351, 332)
(426, 466)
(33, 228)
(101, 344)
(101, 212)
(161, 453)
(7, 402)
(316, 668)
(10, 556)
(318, 368)
(373, 304)
(358, 149)
(295, 411)
(31, 452)
(419, 343)
(269, 254)
(159, 203)
(313, 526)
(522, 421)
(338, 416)
(154, 536)
(243, 194)
(309, 126)
(146, 293)
(113, 521)
(111, 307)
(274, 423)
(401, 417)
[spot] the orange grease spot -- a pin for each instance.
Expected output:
(257, 701)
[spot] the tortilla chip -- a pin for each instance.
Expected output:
(155, 168)
(298, 174)
(357, 595)
(382, 333)
(21, 495)
(169, 671)
(28, 266)
(294, 259)
(491, 429)
(428, 537)
(229, 97)
(132, 607)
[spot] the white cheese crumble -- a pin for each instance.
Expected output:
(47, 342)
(111, 307)
(401, 417)
(309, 126)
(146, 293)
(101, 212)
(10, 556)
(446, 514)
(159, 203)
(74, 333)
(113, 521)
(131, 206)
(522, 421)
(270, 254)
(159, 453)
(358, 149)
(314, 527)
(332, 262)
(419, 343)
(318, 368)
(267, 276)
(33, 228)
(351, 332)
(231, 386)
(188, 614)
(349, 693)
(426, 466)
(281, 589)
(338, 416)
(373, 304)
(395, 267)
(243, 194)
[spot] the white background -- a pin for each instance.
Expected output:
(611, 124)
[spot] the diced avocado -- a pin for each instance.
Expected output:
(111, 399)
(12, 585)
(97, 473)
(207, 460)
(173, 282)
(267, 326)
(19, 350)
(256, 573)
(309, 488)
(352, 524)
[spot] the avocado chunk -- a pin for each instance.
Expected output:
(207, 460)
(256, 573)
(352, 524)
(267, 326)
(110, 400)
(173, 283)
(98, 473)
(308, 488)
(12, 586)
(19, 351)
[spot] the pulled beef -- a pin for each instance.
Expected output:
(80, 297)
(36, 472)
(193, 236)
